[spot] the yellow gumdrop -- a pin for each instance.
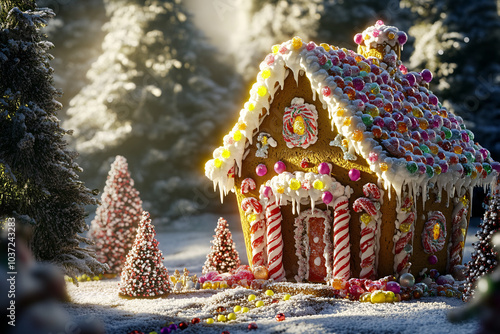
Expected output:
(226, 153)
(340, 112)
(242, 126)
(231, 316)
(391, 35)
(276, 48)
(223, 285)
(215, 285)
(389, 296)
(217, 163)
(365, 297)
(365, 218)
(262, 90)
(318, 184)
(237, 135)
(237, 308)
(245, 309)
(221, 318)
(377, 296)
(325, 46)
(405, 228)
(207, 285)
(252, 217)
(384, 167)
(265, 73)
(347, 121)
(210, 321)
(259, 303)
(287, 297)
(296, 42)
(251, 107)
(366, 37)
(251, 297)
(357, 135)
(294, 185)
(299, 126)
(269, 293)
(280, 189)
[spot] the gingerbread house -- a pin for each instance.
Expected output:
(345, 164)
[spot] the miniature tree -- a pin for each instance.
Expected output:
(38, 174)
(484, 257)
(223, 256)
(114, 226)
(144, 274)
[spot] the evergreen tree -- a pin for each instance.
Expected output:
(158, 85)
(457, 40)
(114, 227)
(484, 257)
(223, 256)
(38, 174)
(144, 274)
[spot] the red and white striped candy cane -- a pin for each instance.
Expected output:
(247, 185)
(401, 257)
(457, 238)
(257, 234)
(371, 190)
(341, 247)
(367, 247)
(274, 240)
(366, 204)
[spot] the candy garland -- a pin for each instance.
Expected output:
(274, 239)
(403, 238)
(459, 227)
(300, 124)
(255, 215)
(341, 246)
(144, 274)
(303, 246)
(370, 224)
(434, 233)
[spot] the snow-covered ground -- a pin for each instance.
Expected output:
(186, 244)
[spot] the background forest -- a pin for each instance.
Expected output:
(160, 81)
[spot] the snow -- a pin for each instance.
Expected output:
(186, 243)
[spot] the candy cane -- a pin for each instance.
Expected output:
(366, 204)
(457, 238)
(257, 235)
(341, 250)
(274, 240)
(371, 190)
(247, 185)
(367, 246)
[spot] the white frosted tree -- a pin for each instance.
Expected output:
(157, 94)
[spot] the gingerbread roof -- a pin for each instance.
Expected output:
(387, 115)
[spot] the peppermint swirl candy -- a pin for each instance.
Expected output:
(434, 233)
(300, 124)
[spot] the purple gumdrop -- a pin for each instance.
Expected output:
(429, 159)
(165, 330)
(421, 168)
(398, 117)
(323, 168)
(433, 99)
(402, 37)
(327, 197)
(484, 152)
(358, 39)
(444, 166)
(496, 166)
(426, 75)
(355, 174)
(393, 286)
(261, 170)
(172, 327)
(358, 83)
(434, 273)
(390, 124)
(279, 167)
(411, 79)
(378, 121)
(432, 259)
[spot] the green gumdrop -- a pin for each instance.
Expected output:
(471, 135)
(424, 148)
(447, 132)
(470, 157)
(467, 169)
(411, 166)
(367, 119)
(487, 168)
(429, 170)
(363, 73)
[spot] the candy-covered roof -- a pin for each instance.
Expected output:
(388, 115)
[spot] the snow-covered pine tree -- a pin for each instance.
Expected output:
(484, 257)
(114, 227)
(144, 275)
(268, 22)
(158, 84)
(223, 256)
(457, 40)
(38, 174)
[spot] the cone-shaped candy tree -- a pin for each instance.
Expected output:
(223, 256)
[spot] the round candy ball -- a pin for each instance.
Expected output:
(261, 170)
(377, 296)
(432, 259)
(393, 286)
(354, 174)
(426, 75)
(252, 325)
(323, 168)
(358, 39)
(279, 167)
(260, 272)
(269, 293)
(267, 192)
(407, 280)
(280, 317)
(251, 297)
(327, 197)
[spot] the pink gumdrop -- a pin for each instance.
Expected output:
(393, 286)
(376, 33)
(327, 197)
(267, 192)
(310, 46)
(373, 157)
(354, 174)
(355, 291)
(379, 23)
(279, 167)
(403, 69)
(261, 170)
(323, 168)
(358, 38)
